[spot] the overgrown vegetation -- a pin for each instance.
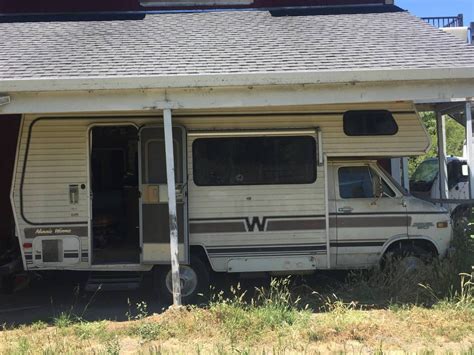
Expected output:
(431, 310)
(455, 137)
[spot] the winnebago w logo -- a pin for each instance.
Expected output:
(255, 222)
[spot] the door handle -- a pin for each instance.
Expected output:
(346, 209)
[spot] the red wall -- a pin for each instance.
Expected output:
(25, 6)
(9, 125)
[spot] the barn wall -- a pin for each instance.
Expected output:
(9, 125)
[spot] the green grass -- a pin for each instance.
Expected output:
(431, 311)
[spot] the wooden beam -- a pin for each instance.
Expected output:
(232, 97)
(173, 219)
(443, 163)
(469, 150)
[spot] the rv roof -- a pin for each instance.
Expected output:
(194, 49)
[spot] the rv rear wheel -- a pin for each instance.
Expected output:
(194, 282)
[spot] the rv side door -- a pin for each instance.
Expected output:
(365, 222)
(154, 214)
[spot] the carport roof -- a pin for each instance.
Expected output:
(227, 48)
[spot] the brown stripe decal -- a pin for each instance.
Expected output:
(274, 224)
(219, 227)
(294, 225)
(376, 221)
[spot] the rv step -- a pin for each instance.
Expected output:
(113, 281)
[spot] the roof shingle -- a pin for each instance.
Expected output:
(226, 42)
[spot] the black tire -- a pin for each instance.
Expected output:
(196, 295)
(410, 258)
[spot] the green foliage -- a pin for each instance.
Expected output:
(455, 136)
(64, 320)
(273, 309)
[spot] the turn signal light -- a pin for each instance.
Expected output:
(443, 224)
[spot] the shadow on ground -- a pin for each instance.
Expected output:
(45, 298)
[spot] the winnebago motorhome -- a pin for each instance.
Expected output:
(281, 191)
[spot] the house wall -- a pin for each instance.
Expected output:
(9, 125)
(15, 6)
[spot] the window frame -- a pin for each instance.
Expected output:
(346, 117)
(314, 142)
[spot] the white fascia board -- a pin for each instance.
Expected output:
(229, 80)
(236, 97)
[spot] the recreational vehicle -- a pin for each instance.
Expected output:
(287, 190)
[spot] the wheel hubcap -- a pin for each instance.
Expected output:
(188, 280)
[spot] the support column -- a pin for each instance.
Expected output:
(173, 220)
(469, 150)
(405, 173)
(443, 163)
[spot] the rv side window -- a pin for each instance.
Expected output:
(369, 123)
(254, 161)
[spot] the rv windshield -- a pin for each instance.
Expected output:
(426, 172)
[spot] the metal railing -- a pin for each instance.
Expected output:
(447, 21)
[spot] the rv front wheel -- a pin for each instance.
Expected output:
(194, 280)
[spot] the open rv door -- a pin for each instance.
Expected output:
(154, 214)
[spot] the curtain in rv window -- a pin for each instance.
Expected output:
(254, 161)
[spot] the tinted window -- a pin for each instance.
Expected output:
(355, 182)
(369, 123)
(254, 161)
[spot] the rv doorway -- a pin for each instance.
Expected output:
(115, 196)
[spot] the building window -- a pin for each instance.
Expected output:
(254, 161)
(369, 123)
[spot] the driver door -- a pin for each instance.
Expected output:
(364, 221)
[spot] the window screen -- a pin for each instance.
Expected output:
(254, 161)
(369, 123)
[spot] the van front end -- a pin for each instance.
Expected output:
(429, 222)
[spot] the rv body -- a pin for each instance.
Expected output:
(297, 191)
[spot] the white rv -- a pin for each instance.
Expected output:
(280, 191)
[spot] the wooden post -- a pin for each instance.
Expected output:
(327, 218)
(469, 152)
(173, 220)
(443, 163)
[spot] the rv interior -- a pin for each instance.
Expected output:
(115, 196)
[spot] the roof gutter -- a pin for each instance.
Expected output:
(45, 84)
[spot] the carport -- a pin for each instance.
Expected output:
(407, 60)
